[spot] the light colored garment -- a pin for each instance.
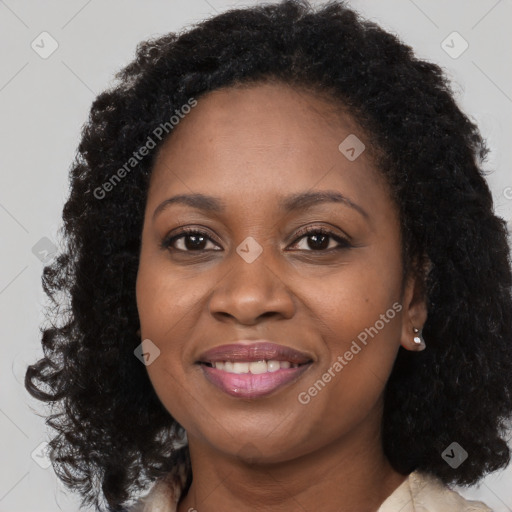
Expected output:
(420, 492)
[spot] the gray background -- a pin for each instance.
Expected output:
(44, 102)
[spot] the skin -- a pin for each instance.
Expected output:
(251, 146)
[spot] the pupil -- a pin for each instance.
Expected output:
(199, 239)
(325, 240)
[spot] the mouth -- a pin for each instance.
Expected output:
(252, 370)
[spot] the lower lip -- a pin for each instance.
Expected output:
(248, 385)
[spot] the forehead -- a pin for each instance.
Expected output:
(262, 140)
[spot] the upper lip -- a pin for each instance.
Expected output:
(244, 350)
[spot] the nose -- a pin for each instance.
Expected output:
(251, 292)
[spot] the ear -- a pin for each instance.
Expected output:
(414, 312)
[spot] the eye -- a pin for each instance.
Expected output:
(319, 240)
(191, 240)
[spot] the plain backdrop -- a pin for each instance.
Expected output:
(45, 99)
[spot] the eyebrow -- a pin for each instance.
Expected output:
(294, 202)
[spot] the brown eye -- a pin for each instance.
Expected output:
(321, 239)
(190, 241)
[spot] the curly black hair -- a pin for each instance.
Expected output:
(114, 435)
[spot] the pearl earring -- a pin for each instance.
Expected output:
(418, 339)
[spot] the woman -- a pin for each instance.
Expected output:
(288, 287)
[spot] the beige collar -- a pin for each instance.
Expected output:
(420, 492)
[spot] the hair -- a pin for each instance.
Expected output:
(114, 436)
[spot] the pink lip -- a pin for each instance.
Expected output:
(248, 385)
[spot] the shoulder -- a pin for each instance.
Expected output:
(163, 495)
(422, 492)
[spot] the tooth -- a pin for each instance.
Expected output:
(273, 366)
(258, 367)
(240, 367)
(254, 367)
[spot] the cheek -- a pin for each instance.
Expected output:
(165, 314)
(359, 315)
(355, 296)
(360, 352)
(169, 306)
(164, 298)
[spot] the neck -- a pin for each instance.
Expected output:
(348, 474)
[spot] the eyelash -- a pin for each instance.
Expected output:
(344, 243)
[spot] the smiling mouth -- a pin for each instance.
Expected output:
(253, 368)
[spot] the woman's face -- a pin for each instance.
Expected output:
(268, 164)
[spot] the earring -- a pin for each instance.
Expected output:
(418, 339)
(137, 332)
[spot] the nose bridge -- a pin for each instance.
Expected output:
(252, 286)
